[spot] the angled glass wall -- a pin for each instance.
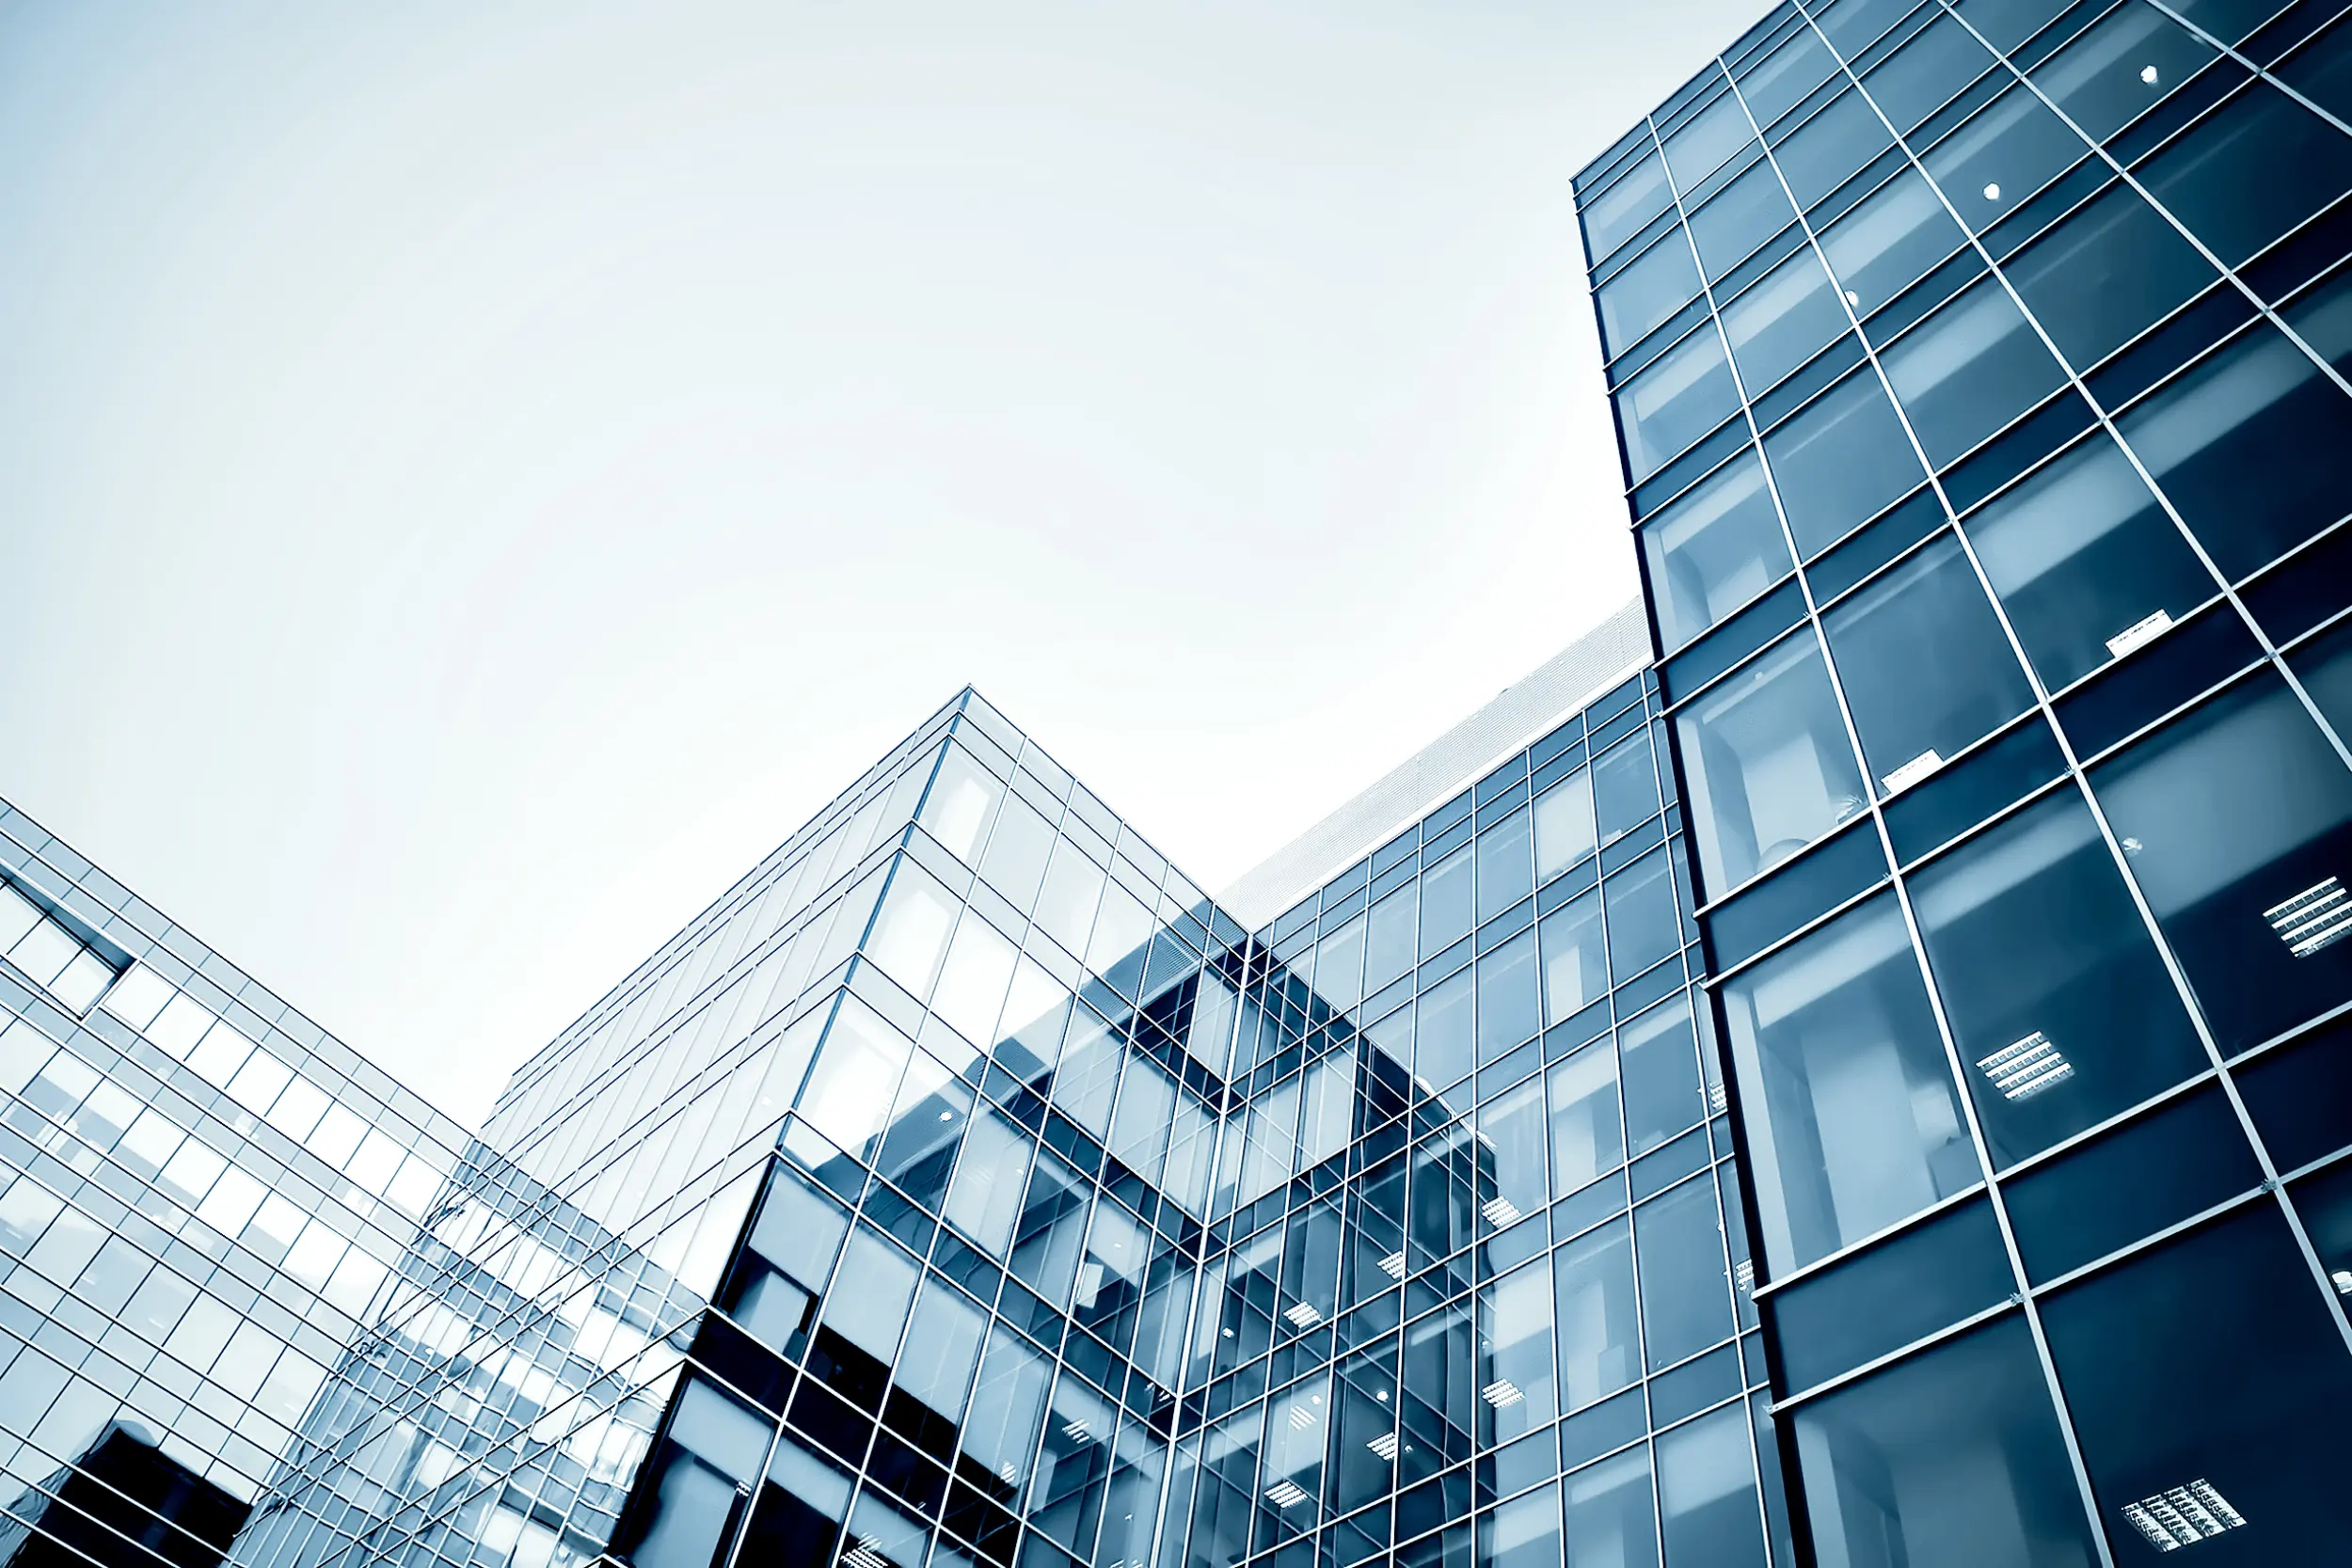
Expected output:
(1979, 368)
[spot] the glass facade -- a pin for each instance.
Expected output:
(1979, 368)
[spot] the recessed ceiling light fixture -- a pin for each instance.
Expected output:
(1301, 1417)
(1502, 1392)
(1303, 1315)
(1384, 1445)
(2315, 918)
(2183, 1516)
(2027, 1067)
(1393, 1264)
(1500, 1211)
(1285, 1494)
(2147, 74)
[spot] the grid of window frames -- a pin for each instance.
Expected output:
(201, 1196)
(1980, 369)
(1474, 1288)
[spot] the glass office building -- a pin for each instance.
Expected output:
(1979, 370)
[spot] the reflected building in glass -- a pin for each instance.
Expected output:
(1981, 375)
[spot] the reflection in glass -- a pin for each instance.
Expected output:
(1849, 1109)
(1611, 1521)
(2249, 171)
(2003, 155)
(2050, 983)
(1706, 141)
(1832, 146)
(1746, 212)
(1651, 286)
(2126, 61)
(1575, 971)
(1768, 765)
(2081, 554)
(1781, 81)
(1644, 924)
(1517, 1321)
(1661, 1075)
(1919, 78)
(2237, 821)
(1617, 213)
(1925, 667)
(1776, 325)
(1625, 788)
(2254, 1393)
(1688, 392)
(1593, 1280)
(1586, 1137)
(1686, 1288)
(1968, 370)
(1891, 241)
(1713, 550)
(1840, 462)
(1707, 1491)
(2104, 274)
(1963, 1433)
(1563, 826)
(1504, 871)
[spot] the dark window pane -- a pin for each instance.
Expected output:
(1713, 550)
(1853, 25)
(2322, 70)
(1644, 926)
(1750, 209)
(2300, 1094)
(2250, 1400)
(2227, 19)
(1617, 213)
(1593, 1280)
(1921, 76)
(2324, 666)
(2178, 1160)
(2259, 407)
(1832, 147)
(2323, 318)
(2052, 987)
(1900, 1290)
(1611, 1521)
(1707, 1493)
(2011, 149)
(2082, 555)
(1506, 996)
(1840, 461)
(1776, 325)
(2258, 166)
(2237, 822)
(1968, 370)
(1768, 765)
(1686, 1286)
(2121, 65)
(1445, 904)
(1506, 865)
(2007, 23)
(1925, 668)
(2325, 1201)
(1660, 1075)
(1950, 1460)
(1843, 1082)
(1687, 393)
(1890, 241)
(1653, 286)
(1707, 142)
(2105, 274)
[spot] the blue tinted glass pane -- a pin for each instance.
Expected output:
(2105, 274)
(1890, 240)
(1713, 550)
(1688, 392)
(1653, 286)
(1968, 370)
(1617, 213)
(1686, 1285)
(1707, 142)
(1840, 461)
(2122, 64)
(1832, 147)
(1778, 324)
(2251, 171)
(2008, 151)
(1922, 75)
(1749, 211)
(1776, 84)
(1768, 764)
(1644, 926)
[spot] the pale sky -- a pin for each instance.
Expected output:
(479, 475)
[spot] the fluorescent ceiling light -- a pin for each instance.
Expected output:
(1500, 1211)
(1393, 1264)
(1077, 1432)
(2183, 1516)
(1743, 1276)
(1502, 1392)
(2313, 919)
(1285, 1494)
(2343, 1278)
(1301, 1417)
(866, 1554)
(1303, 1315)
(1384, 1445)
(2025, 1069)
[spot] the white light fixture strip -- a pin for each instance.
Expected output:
(2314, 918)
(1501, 1212)
(2184, 1515)
(1303, 1315)
(1502, 1393)
(1285, 1494)
(2138, 632)
(1913, 771)
(1301, 1417)
(1384, 1445)
(1393, 1264)
(2025, 1069)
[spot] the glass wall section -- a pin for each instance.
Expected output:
(2007, 693)
(1469, 1287)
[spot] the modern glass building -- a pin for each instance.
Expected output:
(1981, 375)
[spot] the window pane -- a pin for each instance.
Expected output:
(1890, 241)
(1746, 212)
(2259, 407)
(1661, 1075)
(1924, 664)
(1713, 550)
(1675, 402)
(1776, 325)
(1707, 1492)
(1780, 82)
(2252, 1397)
(1574, 972)
(2233, 821)
(1506, 997)
(2250, 173)
(1593, 1280)
(1686, 1291)
(1967, 370)
(1563, 826)
(1883, 1486)
(1625, 788)
(1653, 286)
(1840, 462)
(1769, 768)
(2121, 65)
(2007, 152)
(1707, 141)
(1611, 1520)
(1828, 148)
(1587, 1140)
(1441, 1046)
(1644, 924)
(1445, 904)
(1505, 870)
(2050, 984)
(1847, 1101)
(2080, 554)
(1618, 213)
(1924, 75)
(1517, 1313)
(2106, 273)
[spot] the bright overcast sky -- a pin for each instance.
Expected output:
(478, 476)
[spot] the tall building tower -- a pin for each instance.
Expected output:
(1981, 375)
